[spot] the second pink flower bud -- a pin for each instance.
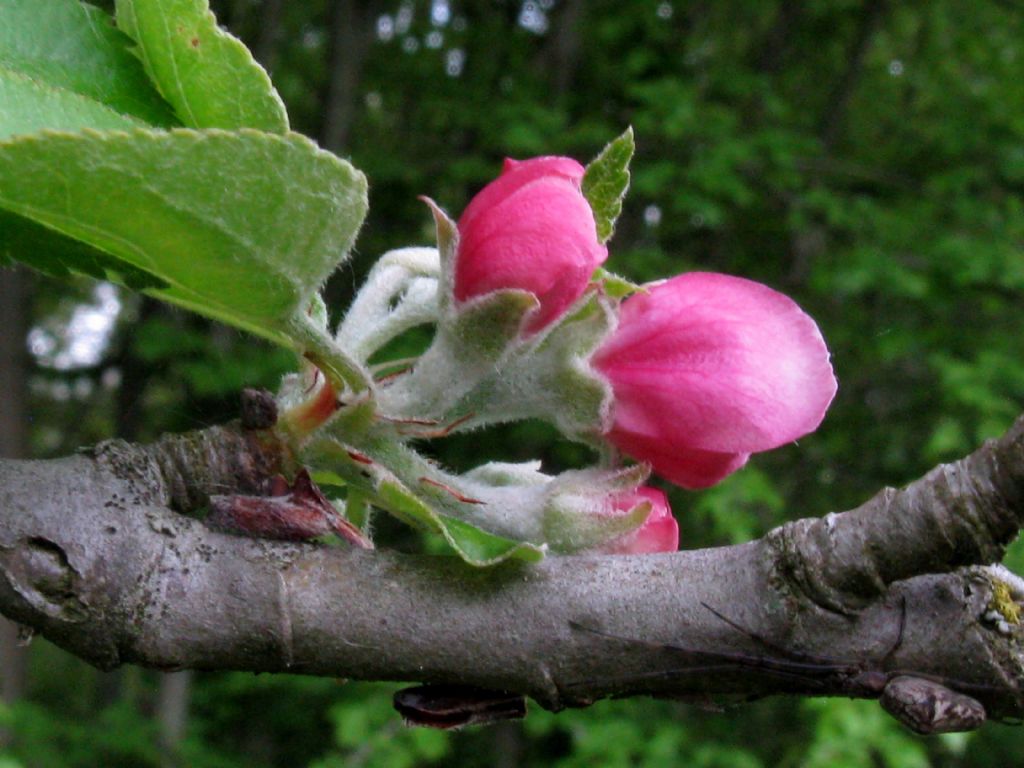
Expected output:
(530, 229)
(707, 369)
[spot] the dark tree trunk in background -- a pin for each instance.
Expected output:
(266, 47)
(350, 29)
(776, 43)
(834, 114)
(808, 245)
(565, 46)
(14, 365)
(172, 714)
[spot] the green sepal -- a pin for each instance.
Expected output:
(487, 325)
(207, 75)
(447, 234)
(605, 182)
(570, 522)
(358, 510)
(614, 286)
(467, 349)
(578, 533)
(475, 546)
(505, 378)
(577, 400)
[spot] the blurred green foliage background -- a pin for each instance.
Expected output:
(864, 157)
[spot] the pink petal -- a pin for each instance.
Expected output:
(515, 174)
(686, 467)
(716, 363)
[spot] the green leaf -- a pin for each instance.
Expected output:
(60, 256)
(28, 106)
(208, 76)
(70, 47)
(475, 546)
(242, 227)
(605, 183)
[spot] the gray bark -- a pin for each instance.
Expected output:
(96, 555)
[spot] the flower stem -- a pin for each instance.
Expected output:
(337, 365)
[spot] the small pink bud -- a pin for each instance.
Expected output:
(707, 369)
(659, 533)
(531, 229)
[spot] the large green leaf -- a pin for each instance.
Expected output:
(57, 255)
(71, 48)
(241, 226)
(208, 76)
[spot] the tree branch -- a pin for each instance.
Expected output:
(96, 556)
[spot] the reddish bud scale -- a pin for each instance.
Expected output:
(359, 457)
(313, 412)
(294, 513)
(451, 491)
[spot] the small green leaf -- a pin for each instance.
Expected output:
(64, 45)
(478, 547)
(614, 285)
(605, 183)
(208, 76)
(475, 546)
(242, 227)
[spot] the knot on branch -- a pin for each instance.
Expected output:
(183, 471)
(39, 572)
(959, 514)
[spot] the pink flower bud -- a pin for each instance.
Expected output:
(707, 369)
(660, 531)
(531, 229)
